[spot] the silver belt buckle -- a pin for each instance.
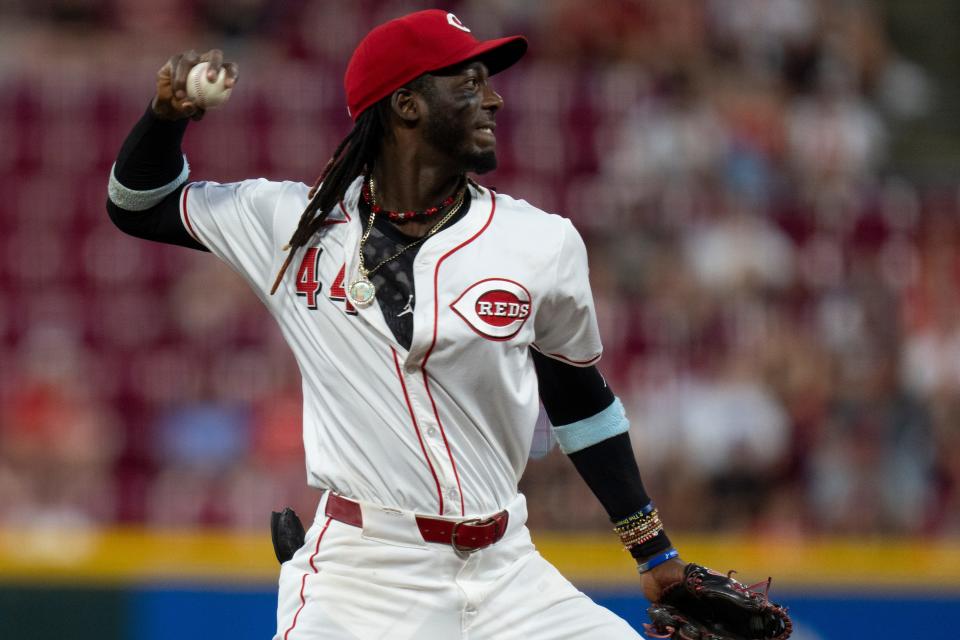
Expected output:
(463, 552)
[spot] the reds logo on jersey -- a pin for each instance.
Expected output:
(495, 308)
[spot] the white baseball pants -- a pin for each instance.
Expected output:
(384, 581)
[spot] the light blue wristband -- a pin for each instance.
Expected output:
(579, 435)
(658, 560)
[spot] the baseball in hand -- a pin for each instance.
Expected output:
(204, 93)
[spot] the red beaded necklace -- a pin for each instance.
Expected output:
(369, 192)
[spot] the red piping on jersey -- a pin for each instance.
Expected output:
(578, 363)
(436, 414)
(436, 317)
(303, 581)
(186, 218)
(396, 363)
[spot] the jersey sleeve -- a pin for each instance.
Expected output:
(236, 222)
(566, 323)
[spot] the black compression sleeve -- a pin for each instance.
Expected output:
(150, 158)
(160, 223)
(570, 393)
(610, 470)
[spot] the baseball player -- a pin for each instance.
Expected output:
(427, 314)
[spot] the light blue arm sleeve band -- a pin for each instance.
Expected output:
(133, 200)
(610, 422)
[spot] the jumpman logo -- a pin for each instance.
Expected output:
(407, 309)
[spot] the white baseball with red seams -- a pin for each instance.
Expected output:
(443, 428)
(206, 93)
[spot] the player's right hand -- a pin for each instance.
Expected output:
(171, 101)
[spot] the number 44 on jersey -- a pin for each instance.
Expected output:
(308, 285)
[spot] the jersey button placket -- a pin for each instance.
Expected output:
(437, 450)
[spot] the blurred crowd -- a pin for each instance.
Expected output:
(780, 310)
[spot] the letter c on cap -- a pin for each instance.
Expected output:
(455, 22)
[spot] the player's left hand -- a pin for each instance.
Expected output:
(659, 578)
(706, 605)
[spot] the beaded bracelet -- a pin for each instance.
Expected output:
(657, 560)
(639, 515)
(640, 527)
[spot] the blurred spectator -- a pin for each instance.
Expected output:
(835, 138)
(781, 313)
(197, 445)
(740, 250)
(58, 441)
(679, 136)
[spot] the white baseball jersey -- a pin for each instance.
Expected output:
(444, 427)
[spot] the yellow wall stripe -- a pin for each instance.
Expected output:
(837, 564)
(138, 555)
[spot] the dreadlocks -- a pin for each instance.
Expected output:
(356, 151)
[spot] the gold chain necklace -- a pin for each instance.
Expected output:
(361, 291)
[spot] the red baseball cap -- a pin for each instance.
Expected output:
(405, 48)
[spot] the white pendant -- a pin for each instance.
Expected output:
(362, 292)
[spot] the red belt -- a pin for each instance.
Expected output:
(465, 536)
